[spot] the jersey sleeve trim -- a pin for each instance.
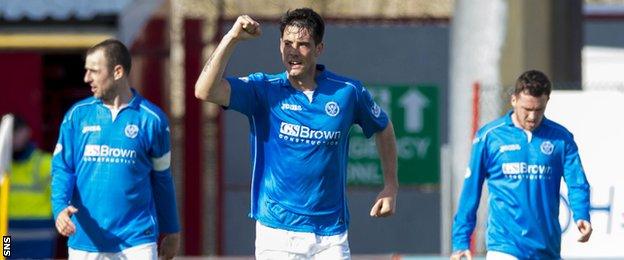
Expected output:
(346, 83)
(162, 163)
(151, 112)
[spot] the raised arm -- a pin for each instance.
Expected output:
(211, 86)
(385, 204)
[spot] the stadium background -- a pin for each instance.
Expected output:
(378, 42)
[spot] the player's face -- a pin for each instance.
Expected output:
(99, 76)
(299, 52)
(528, 110)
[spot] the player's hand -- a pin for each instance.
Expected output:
(385, 204)
(585, 228)
(245, 28)
(169, 246)
(459, 254)
(64, 225)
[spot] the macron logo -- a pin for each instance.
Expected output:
(91, 128)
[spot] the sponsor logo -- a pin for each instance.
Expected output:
(332, 108)
(522, 170)
(105, 153)
(291, 107)
(376, 110)
(468, 173)
(509, 147)
(105, 150)
(131, 131)
(547, 147)
(304, 134)
(244, 79)
(91, 128)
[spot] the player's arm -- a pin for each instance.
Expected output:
(169, 245)
(466, 216)
(164, 197)
(578, 189)
(385, 204)
(63, 180)
(211, 86)
(162, 181)
(164, 191)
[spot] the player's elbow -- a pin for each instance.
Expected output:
(202, 91)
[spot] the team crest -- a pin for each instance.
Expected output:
(376, 110)
(547, 147)
(131, 131)
(332, 108)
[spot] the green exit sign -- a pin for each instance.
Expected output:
(415, 115)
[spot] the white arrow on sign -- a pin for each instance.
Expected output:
(413, 102)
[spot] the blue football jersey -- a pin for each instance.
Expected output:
(523, 171)
(115, 171)
(299, 147)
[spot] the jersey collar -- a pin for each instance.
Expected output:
(135, 101)
(509, 121)
(321, 76)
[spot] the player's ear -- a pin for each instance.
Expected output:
(514, 100)
(319, 49)
(118, 72)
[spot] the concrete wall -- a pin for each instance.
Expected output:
(391, 53)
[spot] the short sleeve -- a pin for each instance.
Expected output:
(247, 93)
(368, 114)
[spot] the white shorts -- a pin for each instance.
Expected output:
(495, 255)
(144, 251)
(272, 243)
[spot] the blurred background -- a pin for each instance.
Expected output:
(440, 68)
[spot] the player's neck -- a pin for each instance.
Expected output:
(120, 99)
(305, 82)
(515, 121)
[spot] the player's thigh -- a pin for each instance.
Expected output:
(495, 255)
(74, 254)
(337, 252)
(273, 243)
(144, 251)
(278, 255)
(333, 247)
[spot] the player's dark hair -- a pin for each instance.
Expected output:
(534, 83)
(304, 18)
(115, 52)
